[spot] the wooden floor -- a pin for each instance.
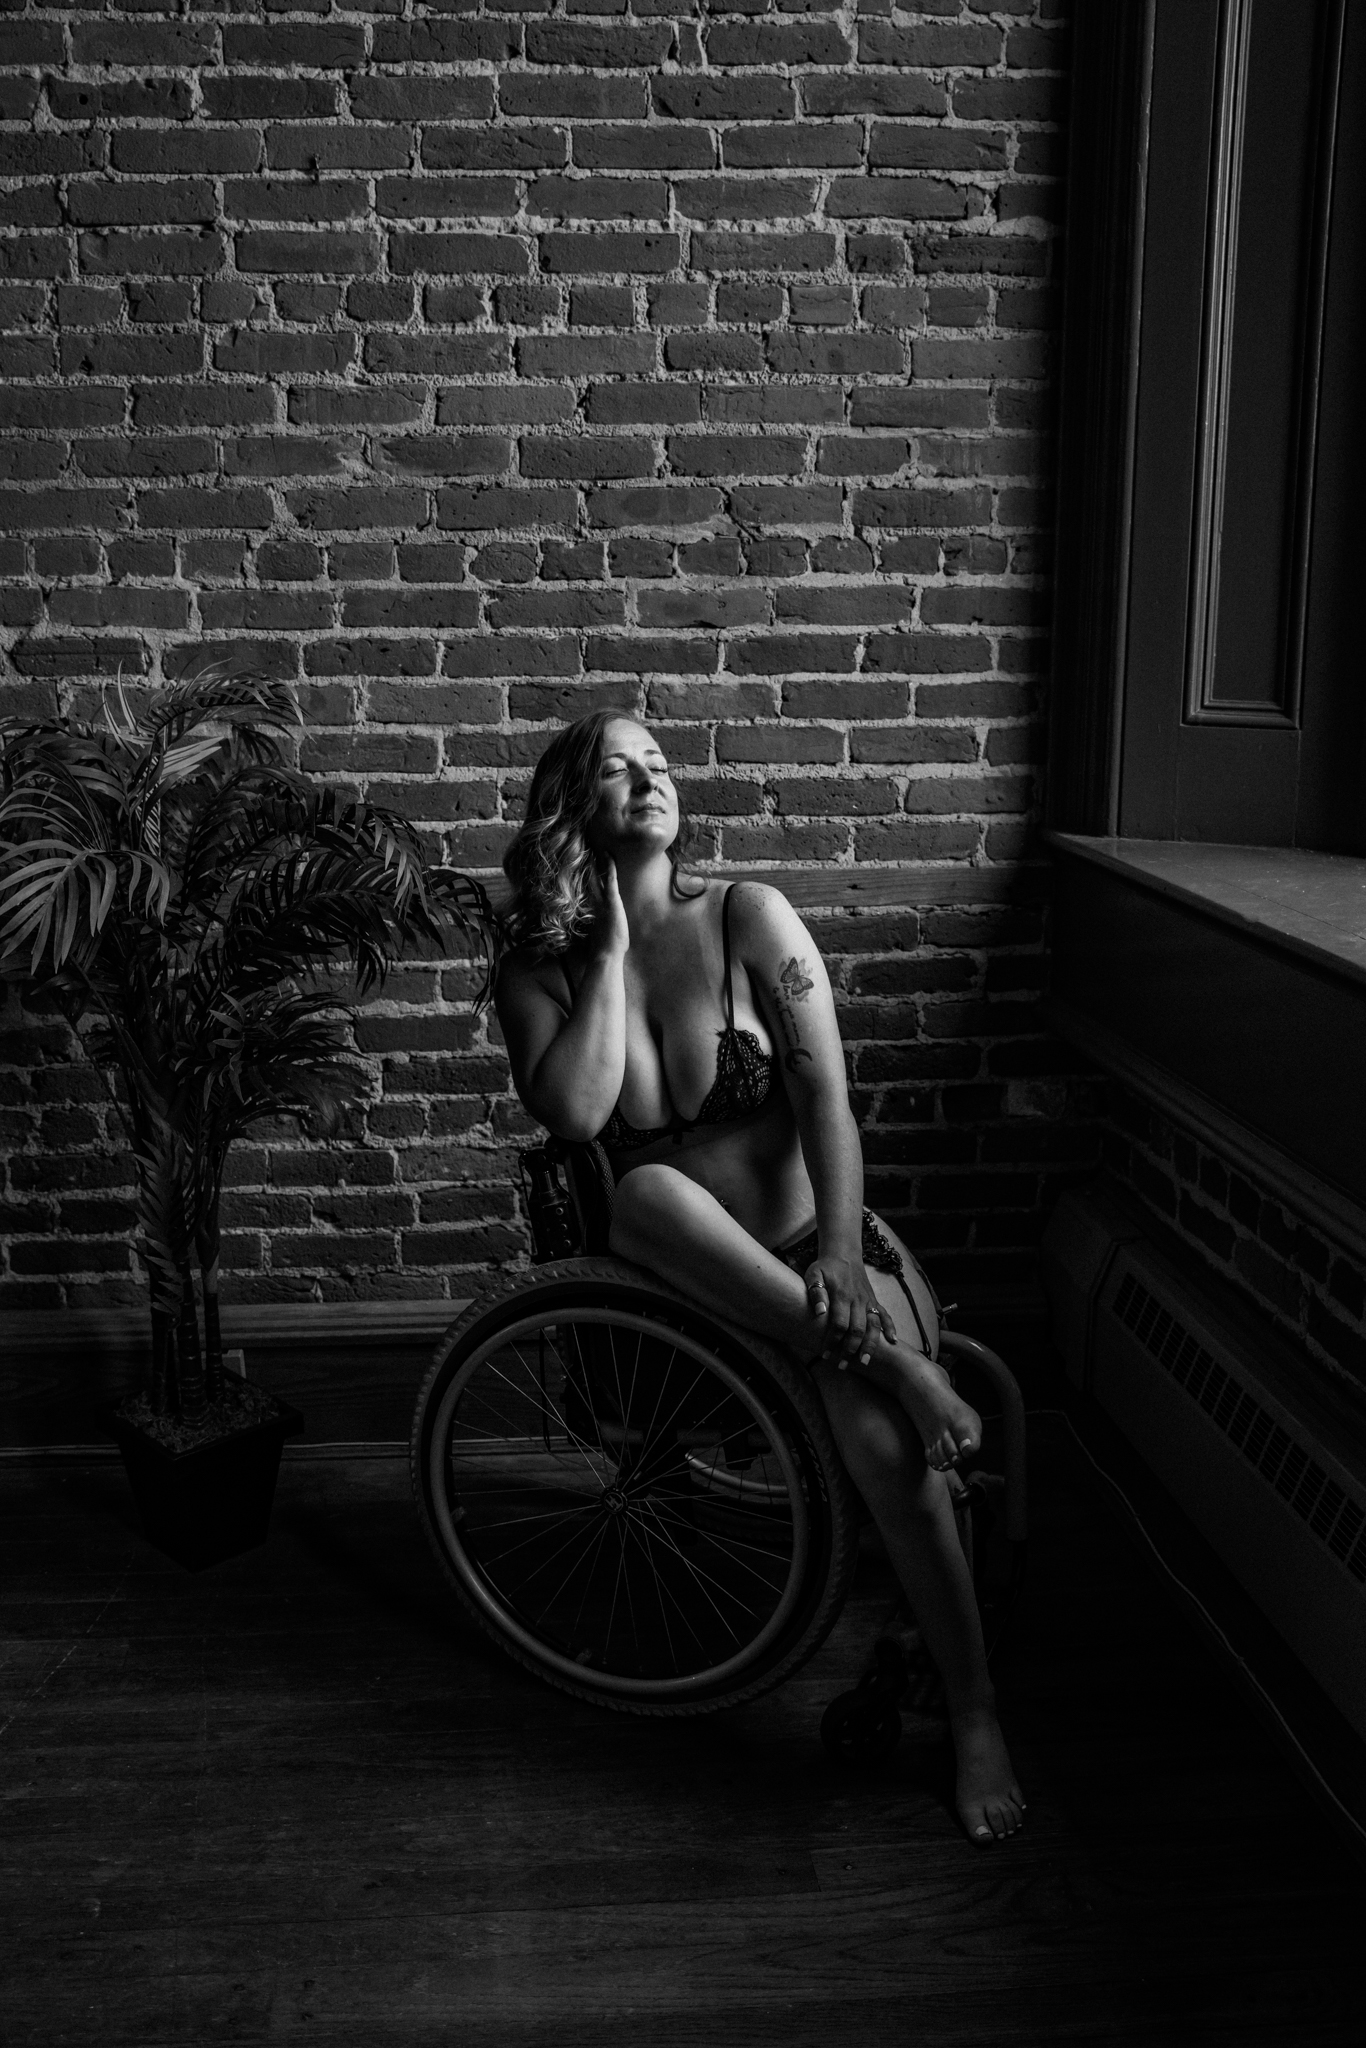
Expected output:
(295, 1800)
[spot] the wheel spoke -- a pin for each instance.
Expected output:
(578, 1612)
(707, 1551)
(667, 1520)
(588, 1387)
(546, 1563)
(630, 1597)
(492, 1529)
(590, 1562)
(729, 1544)
(554, 1411)
(616, 1585)
(661, 1590)
(699, 1578)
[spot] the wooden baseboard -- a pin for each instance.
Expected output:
(353, 1369)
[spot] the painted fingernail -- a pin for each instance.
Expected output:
(865, 1357)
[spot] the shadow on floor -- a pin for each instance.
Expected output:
(297, 1797)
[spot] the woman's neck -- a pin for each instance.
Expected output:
(646, 883)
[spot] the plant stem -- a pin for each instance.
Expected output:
(213, 1333)
(194, 1404)
(172, 1368)
(163, 1333)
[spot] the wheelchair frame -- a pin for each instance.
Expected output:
(502, 1447)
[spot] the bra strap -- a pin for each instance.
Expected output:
(725, 954)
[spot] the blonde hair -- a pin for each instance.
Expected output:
(550, 864)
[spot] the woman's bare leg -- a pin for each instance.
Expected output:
(669, 1223)
(912, 1508)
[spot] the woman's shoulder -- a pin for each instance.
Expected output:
(758, 909)
(527, 968)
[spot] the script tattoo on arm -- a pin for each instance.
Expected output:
(794, 985)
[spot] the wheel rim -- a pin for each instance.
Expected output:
(620, 1502)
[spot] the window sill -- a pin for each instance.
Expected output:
(1228, 985)
(1313, 904)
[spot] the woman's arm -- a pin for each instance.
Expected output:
(792, 990)
(568, 1059)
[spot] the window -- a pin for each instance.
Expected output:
(1208, 685)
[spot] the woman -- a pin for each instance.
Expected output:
(690, 1027)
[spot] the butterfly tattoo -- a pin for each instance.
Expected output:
(795, 981)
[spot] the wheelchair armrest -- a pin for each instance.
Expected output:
(592, 1186)
(955, 1347)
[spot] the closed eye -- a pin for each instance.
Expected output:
(616, 766)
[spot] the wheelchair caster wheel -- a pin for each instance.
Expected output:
(858, 1728)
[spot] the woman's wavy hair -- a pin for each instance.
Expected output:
(551, 866)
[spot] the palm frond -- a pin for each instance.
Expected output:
(184, 758)
(37, 762)
(48, 891)
(309, 908)
(218, 691)
(180, 888)
(244, 807)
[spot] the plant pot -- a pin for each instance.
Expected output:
(209, 1500)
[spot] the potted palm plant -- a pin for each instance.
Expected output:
(184, 893)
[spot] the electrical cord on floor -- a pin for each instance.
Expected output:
(1193, 1600)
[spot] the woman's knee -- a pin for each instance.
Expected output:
(646, 1205)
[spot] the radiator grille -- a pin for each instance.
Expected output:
(1335, 1518)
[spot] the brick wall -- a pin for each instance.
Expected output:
(1312, 1294)
(475, 365)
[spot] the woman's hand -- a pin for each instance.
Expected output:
(844, 1304)
(611, 934)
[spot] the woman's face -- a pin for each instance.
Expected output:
(637, 804)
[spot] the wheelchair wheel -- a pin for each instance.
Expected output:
(639, 1503)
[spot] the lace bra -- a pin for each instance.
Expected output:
(744, 1076)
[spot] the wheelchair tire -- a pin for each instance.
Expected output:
(641, 1504)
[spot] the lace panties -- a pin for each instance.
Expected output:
(880, 1255)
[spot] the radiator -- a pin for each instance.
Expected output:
(1208, 1400)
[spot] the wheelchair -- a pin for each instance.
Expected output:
(638, 1501)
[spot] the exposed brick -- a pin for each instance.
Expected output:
(750, 252)
(761, 43)
(274, 252)
(314, 46)
(354, 146)
(243, 97)
(497, 149)
(790, 145)
(725, 99)
(637, 147)
(442, 254)
(576, 44)
(744, 198)
(574, 97)
(314, 384)
(591, 255)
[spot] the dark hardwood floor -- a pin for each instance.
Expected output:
(295, 1799)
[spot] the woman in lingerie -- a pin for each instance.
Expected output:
(689, 1026)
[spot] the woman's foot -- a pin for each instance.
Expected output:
(947, 1427)
(990, 1803)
